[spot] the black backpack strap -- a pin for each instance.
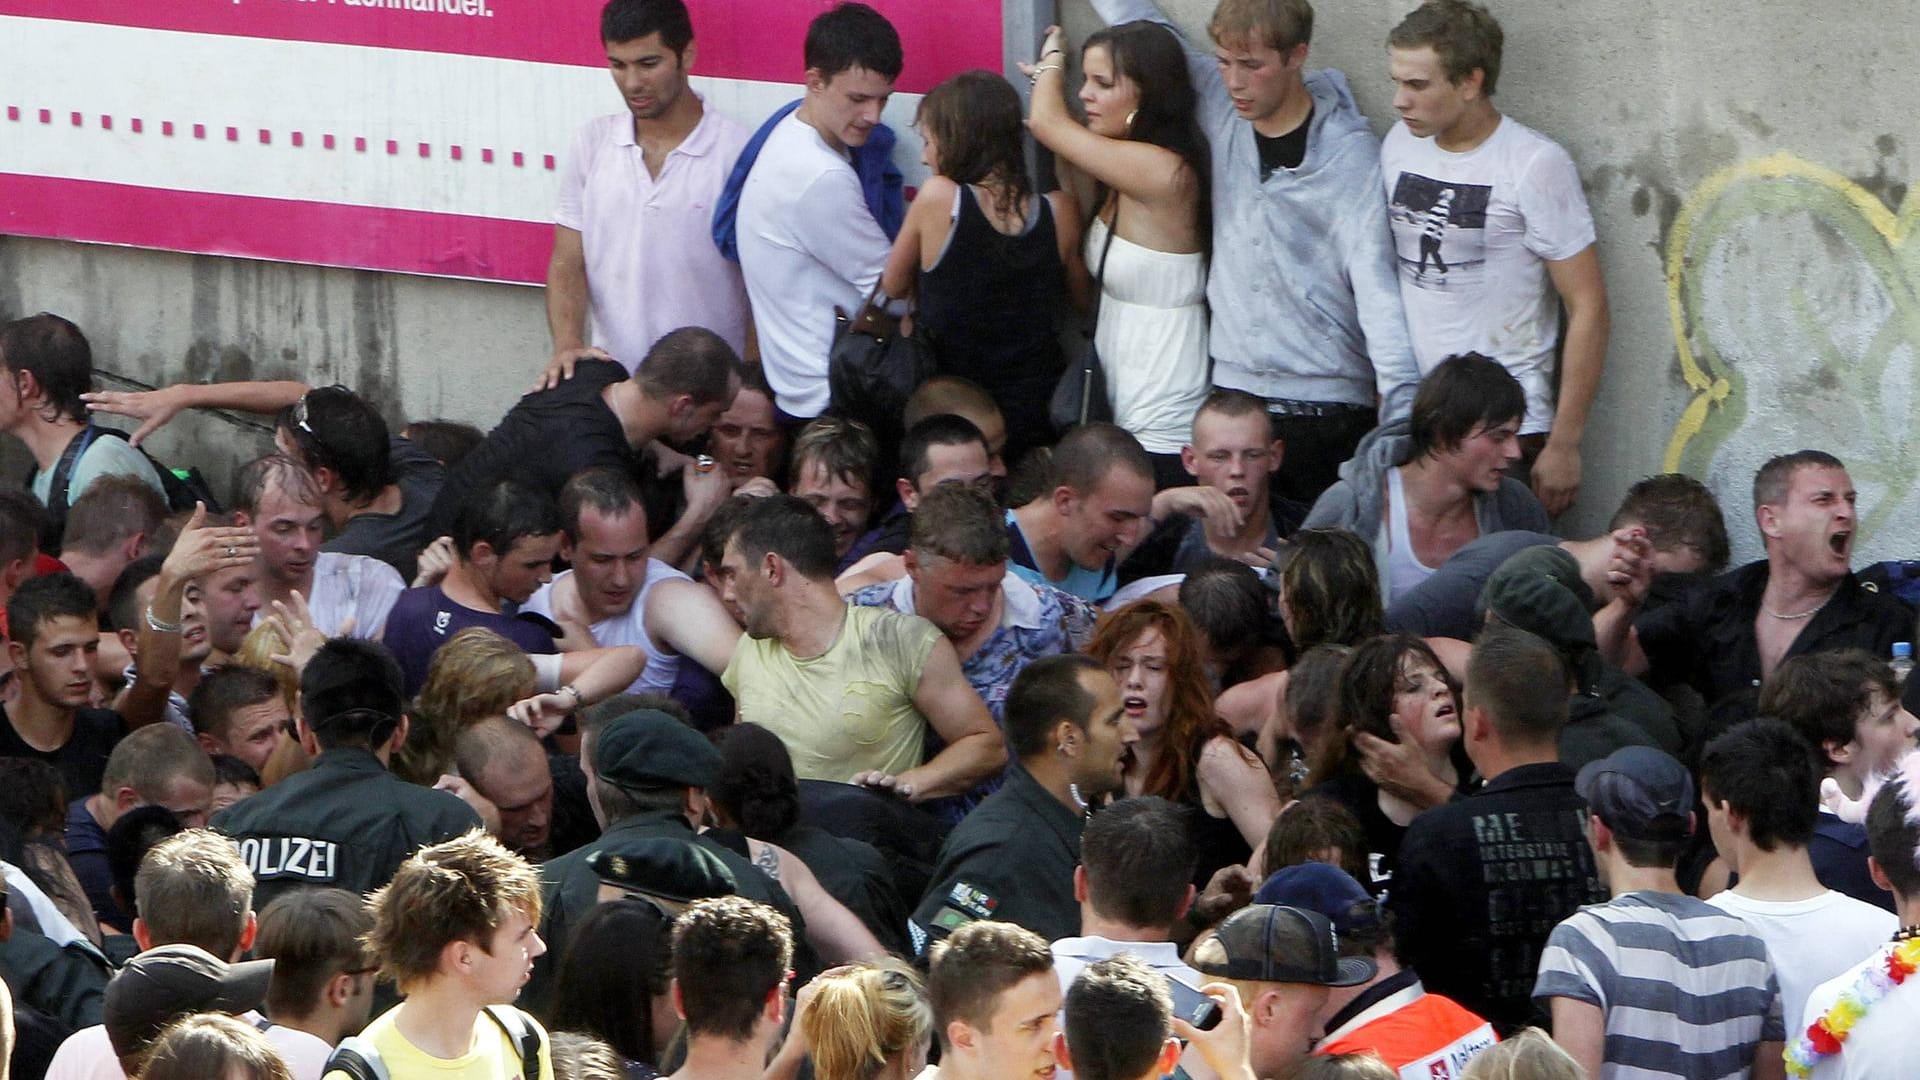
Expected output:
(526, 1037)
(60, 482)
(346, 1059)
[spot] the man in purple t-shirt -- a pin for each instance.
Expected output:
(504, 542)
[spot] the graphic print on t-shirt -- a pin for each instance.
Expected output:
(1440, 231)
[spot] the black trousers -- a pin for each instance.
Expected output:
(1316, 447)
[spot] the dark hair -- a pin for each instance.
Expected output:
(23, 520)
(311, 935)
(112, 508)
(1313, 827)
(1228, 604)
(617, 959)
(1368, 685)
(351, 693)
(713, 538)
(57, 355)
(959, 523)
(1522, 684)
(228, 769)
(693, 361)
(945, 429)
(1893, 837)
(123, 600)
(501, 515)
(1313, 687)
(224, 692)
(1464, 392)
(1765, 772)
(1677, 511)
(631, 20)
(976, 121)
(757, 787)
(1139, 857)
(445, 441)
(610, 491)
(976, 964)
(1462, 34)
(337, 429)
(1151, 57)
(853, 36)
(1331, 588)
(33, 798)
(1046, 692)
(1775, 478)
(1821, 695)
(47, 596)
(1118, 1015)
(729, 953)
(1085, 455)
(785, 526)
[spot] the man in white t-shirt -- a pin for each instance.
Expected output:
(632, 245)
(808, 243)
(322, 989)
(1486, 215)
(1762, 790)
(621, 594)
(1881, 1042)
(280, 501)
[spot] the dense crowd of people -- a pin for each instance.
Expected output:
(1247, 722)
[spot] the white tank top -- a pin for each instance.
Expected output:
(1404, 570)
(629, 628)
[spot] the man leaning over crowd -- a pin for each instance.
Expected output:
(852, 691)
(1306, 311)
(632, 248)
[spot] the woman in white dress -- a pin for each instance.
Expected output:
(1142, 159)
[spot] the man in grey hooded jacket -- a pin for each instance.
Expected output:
(1305, 301)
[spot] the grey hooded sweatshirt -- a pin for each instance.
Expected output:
(1303, 286)
(1358, 501)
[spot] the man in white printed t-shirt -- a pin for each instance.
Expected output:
(808, 243)
(1486, 215)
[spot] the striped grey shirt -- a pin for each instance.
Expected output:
(1686, 988)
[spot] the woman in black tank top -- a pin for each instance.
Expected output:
(988, 258)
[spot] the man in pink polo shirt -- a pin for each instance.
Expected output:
(632, 246)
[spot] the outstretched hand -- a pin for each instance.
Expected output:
(153, 408)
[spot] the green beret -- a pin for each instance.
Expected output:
(680, 871)
(1539, 590)
(647, 748)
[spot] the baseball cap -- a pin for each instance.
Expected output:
(1325, 888)
(161, 985)
(1271, 943)
(1640, 792)
(648, 748)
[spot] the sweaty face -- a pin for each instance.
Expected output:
(1881, 734)
(254, 732)
(1257, 75)
(960, 463)
(648, 74)
(1017, 1043)
(290, 536)
(843, 500)
(746, 440)
(228, 599)
(1235, 455)
(1485, 456)
(743, 591)
(501, 968)
(527, 565)
(522, 788)
(1813, 529)
(1108, 98)
(1424, 704)
(1141, 670)
(1109, 735)
(1103, 521)
(1425, 98)
(610, 560)
(955, 596)
(846, 107)
(60, 660)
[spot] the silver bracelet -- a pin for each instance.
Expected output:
(1035, 76)
(154, 624)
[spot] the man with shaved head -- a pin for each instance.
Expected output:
(542, 800)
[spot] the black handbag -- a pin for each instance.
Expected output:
(873, 368)
(1080, 397)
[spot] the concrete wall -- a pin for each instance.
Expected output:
(1747, 165)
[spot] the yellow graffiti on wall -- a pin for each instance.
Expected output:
(1793, 285)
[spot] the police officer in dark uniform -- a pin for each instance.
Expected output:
(346, 822)
(647, 775)
(1013, 857)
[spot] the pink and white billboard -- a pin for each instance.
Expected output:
(419, 136)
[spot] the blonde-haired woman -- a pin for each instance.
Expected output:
(868, 1022)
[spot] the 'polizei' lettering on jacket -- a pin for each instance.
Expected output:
(290, 856)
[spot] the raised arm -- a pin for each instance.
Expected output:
(1143, 171)
(693, 622)
(153, 408)
(200, 550)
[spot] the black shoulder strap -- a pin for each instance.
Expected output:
(345, 1059)
(59, 483)
(526, 1038)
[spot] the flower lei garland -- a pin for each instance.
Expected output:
(1827, 1034)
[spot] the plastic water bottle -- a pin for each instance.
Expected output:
(1902, 661)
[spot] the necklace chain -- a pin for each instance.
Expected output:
(1808, 614)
